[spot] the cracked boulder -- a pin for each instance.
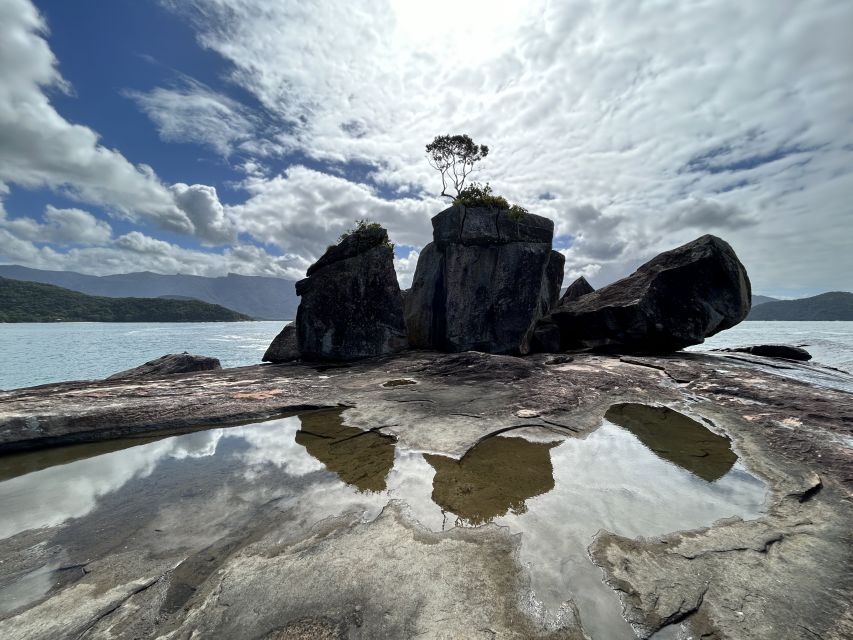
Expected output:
(351, 305)
(677, 299)
(483, 282)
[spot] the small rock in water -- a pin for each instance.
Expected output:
(167, 365)
(774, 351)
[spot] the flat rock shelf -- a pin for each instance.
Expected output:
(488, 496)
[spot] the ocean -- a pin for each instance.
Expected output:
(40, 353)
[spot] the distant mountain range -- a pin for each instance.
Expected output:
(36, 302)
(835, 305)
(757, 300)
(260, 297)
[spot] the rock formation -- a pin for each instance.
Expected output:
(168, 365)
(483, 282)
(676, 299)
(774, 351)
(578, 288)
(351, 305)
(284, 347)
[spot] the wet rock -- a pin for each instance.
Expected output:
(168, 365)
(578, 288)
(483, 282)
(774, 351)
(351, 305)
(284, 347)
(676, 299)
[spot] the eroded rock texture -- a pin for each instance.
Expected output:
(483, 282)
(351, 305)
(677, 299)
(578, 288)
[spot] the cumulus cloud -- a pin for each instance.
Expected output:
(303, 210)
(405, 267)
(725, 121)
(201, 204)
(136, 251)
(60, 226)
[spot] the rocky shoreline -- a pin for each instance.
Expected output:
(786, 573)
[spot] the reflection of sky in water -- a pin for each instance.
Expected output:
(609, 480)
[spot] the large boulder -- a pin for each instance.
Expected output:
(483, 282)
(170, 364)
(284, 347)
(676, 299)
(351, 305)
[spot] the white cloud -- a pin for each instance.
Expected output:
(193, 112)
(302, 211)
(726, 120)
(405, 268)
(39, 148)
(60, 226)
(136, 251)
(202, 206)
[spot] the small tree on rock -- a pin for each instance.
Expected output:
(454, 157)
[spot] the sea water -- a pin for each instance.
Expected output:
(40, 353)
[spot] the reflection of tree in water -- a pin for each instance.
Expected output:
(359, 458)
(492, 478)
(676, 438)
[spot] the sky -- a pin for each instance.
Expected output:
(215, 136)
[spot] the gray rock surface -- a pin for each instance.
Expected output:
(483, 281)
(785, 574)
(284, 347)
(351, 306)
(170, 364)
(578, 288)
(774, 351)
(677, 299)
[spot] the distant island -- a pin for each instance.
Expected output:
(835, 305)
(261, 297)
(34, 302)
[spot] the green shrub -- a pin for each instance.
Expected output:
(477, 195)
(362, 226)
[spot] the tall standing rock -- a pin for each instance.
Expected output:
(351, 305)
(483, 282)
(676, 299)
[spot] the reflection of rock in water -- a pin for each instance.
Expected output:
(492, 478)
(676, 438)
(360, 458)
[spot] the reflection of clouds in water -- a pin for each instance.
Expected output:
(274, 443)
(51, 496)
(611, 481)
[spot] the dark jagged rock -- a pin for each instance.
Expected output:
(351, 305)
(483, 282)
(774, 351)
(284, 347)
(676, 299)
(578, 288)
(553, 281)
(170, 364)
